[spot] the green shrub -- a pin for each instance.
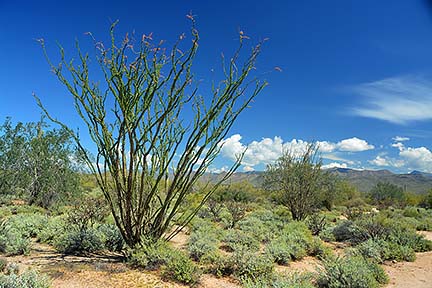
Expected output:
(424, 224)
(411, 212)
(203, 247)
(262, 224)
(237, 239)
(327, 235)
(243, 264)
(249, 265)
(319, 250)
(363, 228)
(371, 249)
(53, 228)
(316, 223)
(180, 268)
(279, 251)
(12, 243)
(111, 237)
(28, 279)
(281, 281)
(27, 225)
(77, 242)
(394, 251)
(3, 264)
(408, 237)
(354, 271)
(151, 255)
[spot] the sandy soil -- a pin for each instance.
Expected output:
(104, 271)
(416, 274)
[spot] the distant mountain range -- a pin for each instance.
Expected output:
(416, 181)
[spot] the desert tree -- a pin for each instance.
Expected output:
(298, 182)
(386, 194)
(37, 163)
(150, 152)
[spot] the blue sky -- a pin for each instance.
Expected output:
(356, 75)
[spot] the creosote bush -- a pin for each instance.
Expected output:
(174, 264)
(353, 272)
(278, 281)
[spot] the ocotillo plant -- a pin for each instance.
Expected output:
(150, 152)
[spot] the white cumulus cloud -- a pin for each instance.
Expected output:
(354, 145)
(334, 165)
(418, 158)
(268, 150)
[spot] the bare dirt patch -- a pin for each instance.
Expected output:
(93, 271)
(417, 274)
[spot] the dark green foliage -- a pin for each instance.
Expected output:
(364, 228)
(354, 272)
(298, 182)
(316, 223)
(37, 163)
(111, 238)
(79, 242)
(385, 194)
(426, 202)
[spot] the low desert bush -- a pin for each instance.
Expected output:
(11, 241)
(281, 281)
(237, 239)
(408, 237)
(180, 268)
(111, 237)
(174, 263)
(279, 251)
(249, 265)
(53, 228)
(203, 245)
(353, 271)
(28, 279)
(316, 223)
(151, 255)
(28, 225)
(78, 242)
(244, 265)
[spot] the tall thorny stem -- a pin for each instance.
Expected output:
(147, 158)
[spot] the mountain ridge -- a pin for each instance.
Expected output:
(364, 180)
